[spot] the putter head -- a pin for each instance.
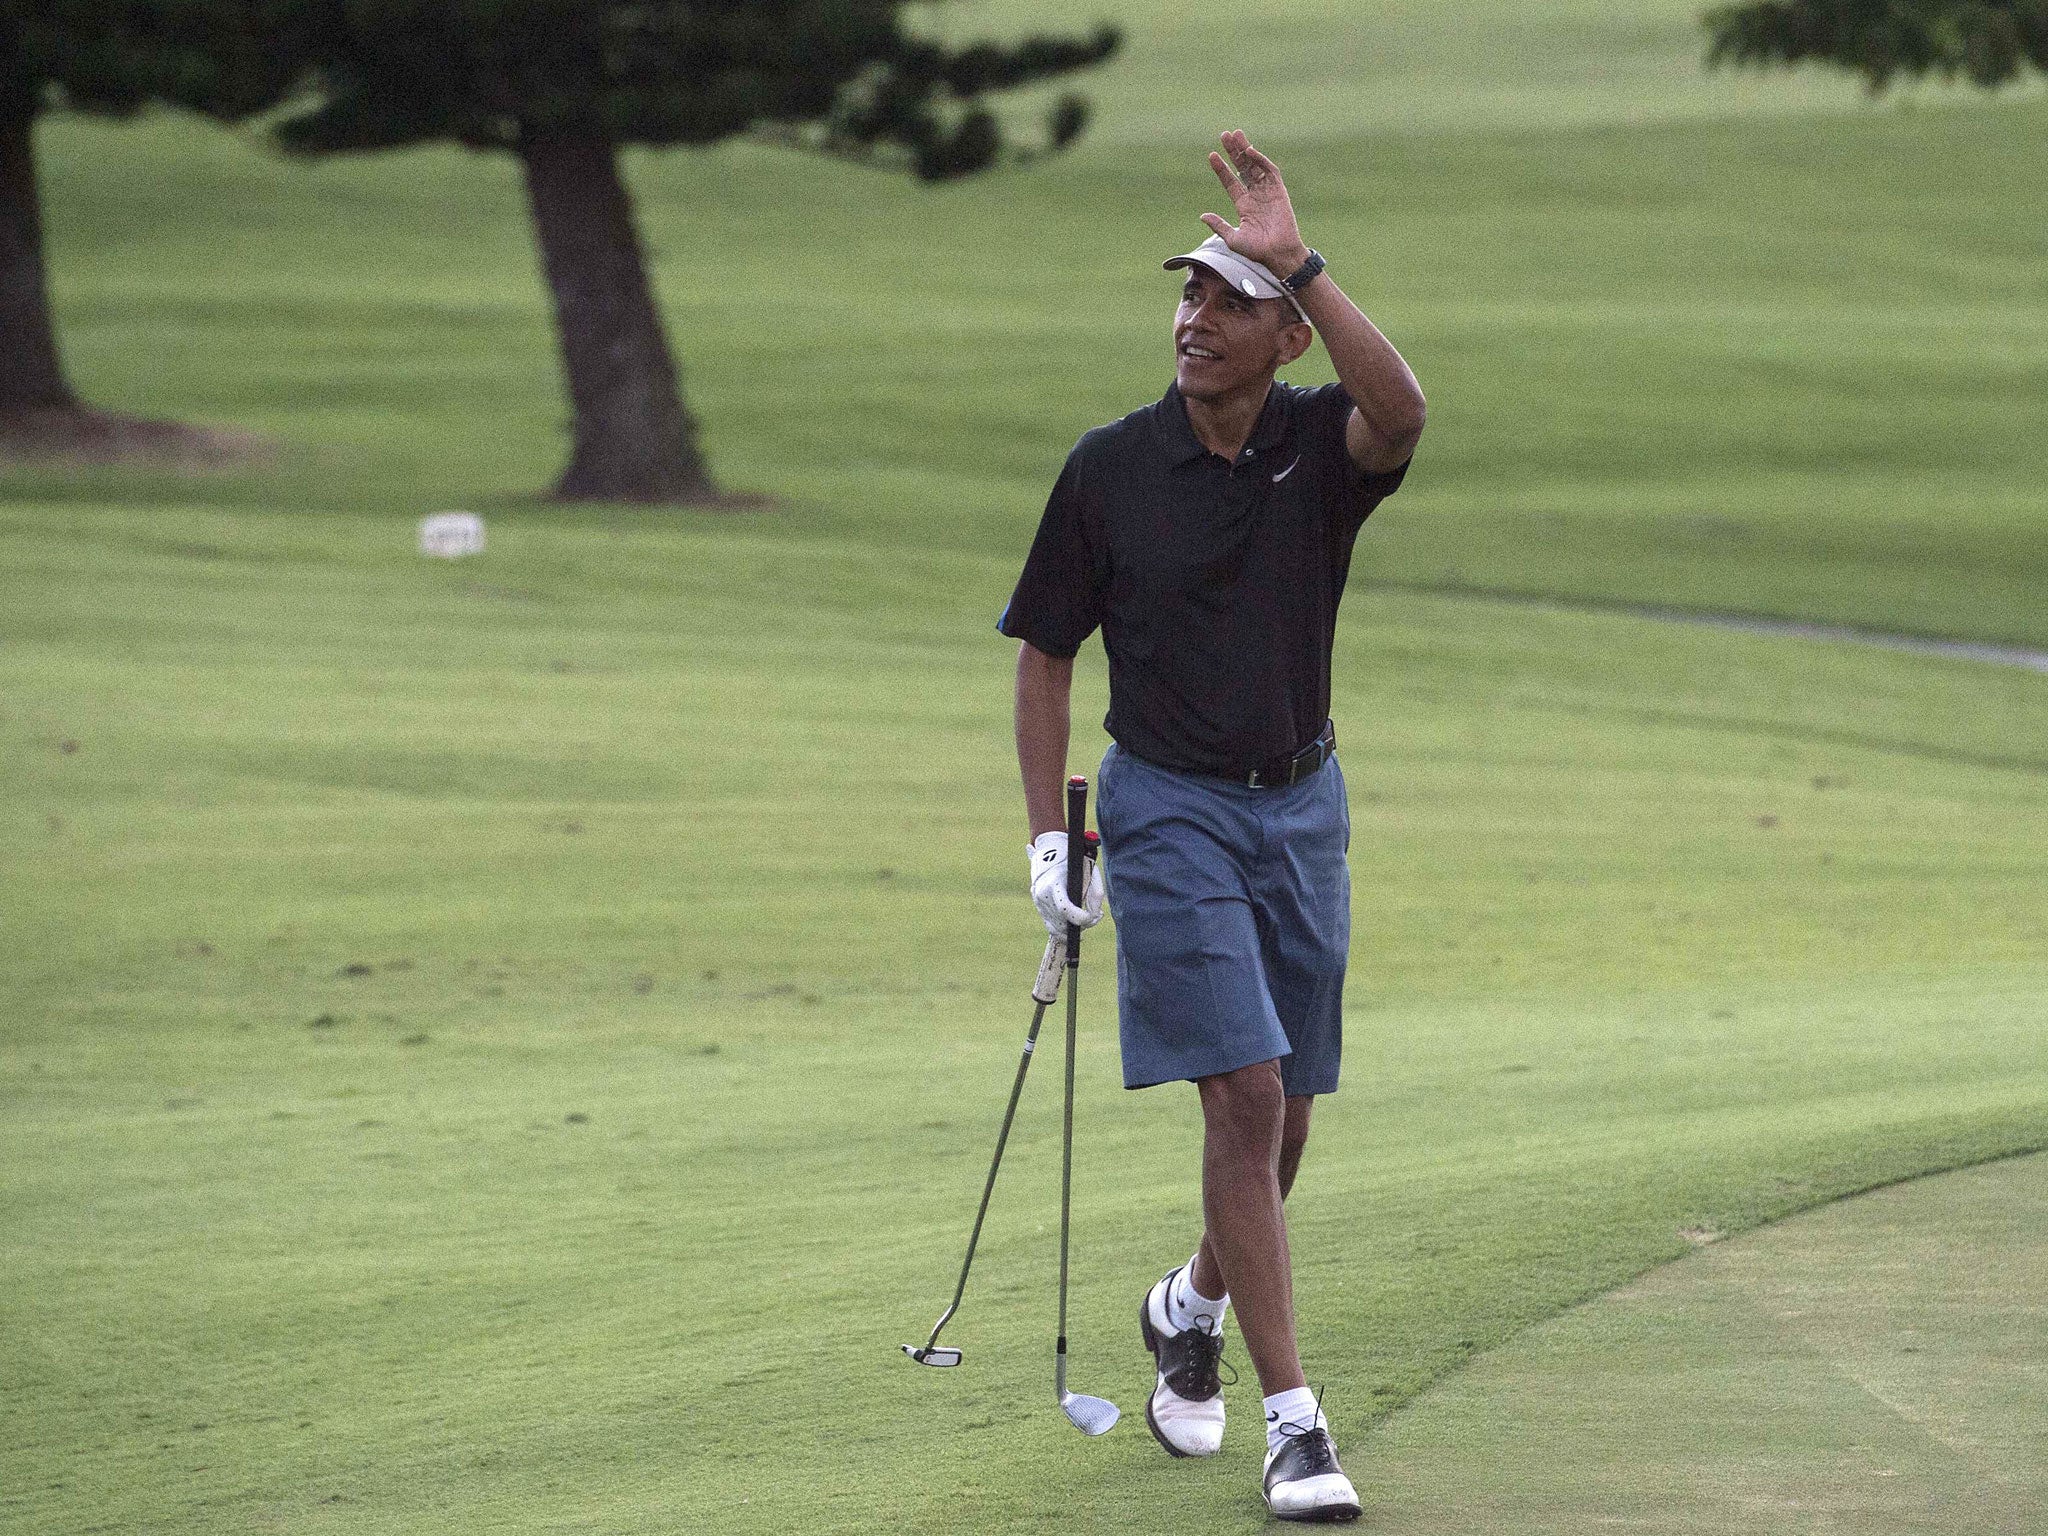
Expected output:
(1090, 1415)
(935, 1354)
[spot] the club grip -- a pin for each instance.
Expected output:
(1078, 850)
(1077, 831)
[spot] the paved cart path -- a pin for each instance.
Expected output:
(1876, 1366)
(2032, 658)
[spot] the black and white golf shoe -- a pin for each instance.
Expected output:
(1185, 1410)
(1303, 1480)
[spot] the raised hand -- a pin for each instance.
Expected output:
(1265, 229)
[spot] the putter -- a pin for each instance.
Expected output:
(1090, 1415)
(1043, 992)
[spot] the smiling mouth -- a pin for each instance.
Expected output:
(1190, 350)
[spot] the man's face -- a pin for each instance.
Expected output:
(1225, 341)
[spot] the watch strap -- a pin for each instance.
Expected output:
(1306, 273)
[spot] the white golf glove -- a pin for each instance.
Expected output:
(1049, 886)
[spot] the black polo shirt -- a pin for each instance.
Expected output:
(1215, 584)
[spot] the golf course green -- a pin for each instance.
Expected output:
(1875, 1365)
(513, 1044)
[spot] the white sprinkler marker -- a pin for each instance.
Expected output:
(451, 535)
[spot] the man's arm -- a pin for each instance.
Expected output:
(1386, 422)
(1387, 405)
(1044, 722)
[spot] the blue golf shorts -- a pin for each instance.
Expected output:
(1233, 921)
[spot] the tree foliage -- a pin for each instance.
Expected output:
(227, 58)
(1987, 42)
(563, 84)
(836, 75)
(559, 84)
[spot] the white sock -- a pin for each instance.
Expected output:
(1296, 1408)
(1188, 1308)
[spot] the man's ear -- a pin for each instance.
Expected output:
(1297, 339)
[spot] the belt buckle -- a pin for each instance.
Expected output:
(1299, 767)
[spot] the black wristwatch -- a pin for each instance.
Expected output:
(1306, 274)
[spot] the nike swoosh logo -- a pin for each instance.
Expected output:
(1287, 471)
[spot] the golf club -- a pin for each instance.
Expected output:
(1090, 1415)
(1043, 992)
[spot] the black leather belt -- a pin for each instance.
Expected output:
(1284, 771)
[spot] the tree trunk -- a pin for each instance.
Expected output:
(31, 378)
(634, 441)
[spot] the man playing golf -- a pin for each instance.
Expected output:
(1208, 536)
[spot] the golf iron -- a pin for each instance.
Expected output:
(1090, 1415)
(1043, 991)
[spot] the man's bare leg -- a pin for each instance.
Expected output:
(1207, 1269)
(1251, 1131)
(1293, 1138)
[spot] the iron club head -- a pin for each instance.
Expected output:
(1090, 1415)
(933, 1354)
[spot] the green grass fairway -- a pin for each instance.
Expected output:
(513, 1045)
(1790, 364)
(1881, 1365)
(1303, 71)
